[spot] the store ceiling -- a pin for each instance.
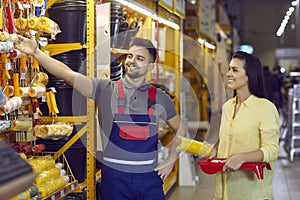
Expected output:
(257, 19)
(257, 22)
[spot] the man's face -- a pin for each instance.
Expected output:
(137, 62)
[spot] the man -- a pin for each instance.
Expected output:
(128, 113)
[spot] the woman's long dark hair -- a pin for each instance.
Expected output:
(254, 71)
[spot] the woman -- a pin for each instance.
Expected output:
(249, 132)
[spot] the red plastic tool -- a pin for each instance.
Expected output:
(210, 167)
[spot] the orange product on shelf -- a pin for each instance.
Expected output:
(23, 66)
(16, 84)
(8, 90)
(11, 105)
(24, 91)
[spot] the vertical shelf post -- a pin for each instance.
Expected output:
(90, 66)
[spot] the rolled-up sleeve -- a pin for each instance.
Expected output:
(269, 132)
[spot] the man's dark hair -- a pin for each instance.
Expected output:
(254, 71)
(141, 42)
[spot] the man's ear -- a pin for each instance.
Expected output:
(151, 66)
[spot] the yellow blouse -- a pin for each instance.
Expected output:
(255, 126)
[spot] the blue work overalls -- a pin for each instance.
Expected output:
(131, 155)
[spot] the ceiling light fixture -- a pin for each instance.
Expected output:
(207, 44)
(286, 18)
(149, 13)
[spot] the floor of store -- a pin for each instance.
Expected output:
(286, 182)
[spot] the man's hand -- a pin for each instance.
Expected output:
(26, 45)
(164, 169)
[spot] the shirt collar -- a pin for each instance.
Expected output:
(248, 102)
(143, 86)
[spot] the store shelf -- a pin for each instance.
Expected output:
(292, 139)
(170, 181)
(64, 191)
(70, 119)
(119, 51)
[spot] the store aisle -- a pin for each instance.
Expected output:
(286, 182)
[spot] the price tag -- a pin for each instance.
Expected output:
(36, 115)
(23, 76)
(72, 187)
(62, 193)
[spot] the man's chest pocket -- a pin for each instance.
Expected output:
(134, 132)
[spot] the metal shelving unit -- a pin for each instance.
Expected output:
(292, 140)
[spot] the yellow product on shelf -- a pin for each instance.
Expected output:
(20, 23)
(33, 22)
(37, 90)
(194, 146)
(51, 186)
(23, 155)
(41, 77)
(4, 36)
(48, 25)
(35, 65)
(53, 131)
(46, 176)
(13, 37)
(21, 125)
(41, 164)
(51, 103)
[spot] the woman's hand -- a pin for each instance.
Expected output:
(233, 163)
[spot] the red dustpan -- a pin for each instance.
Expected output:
(212, 166)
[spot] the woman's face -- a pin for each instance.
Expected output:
(236, 76)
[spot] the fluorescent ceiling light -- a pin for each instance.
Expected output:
(149, 13)
(201, 41)
(207, 44)
(210, 46)
(286, 18)
(292, 9)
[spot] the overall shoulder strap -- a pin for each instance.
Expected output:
(122, 97)
(151, 99)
